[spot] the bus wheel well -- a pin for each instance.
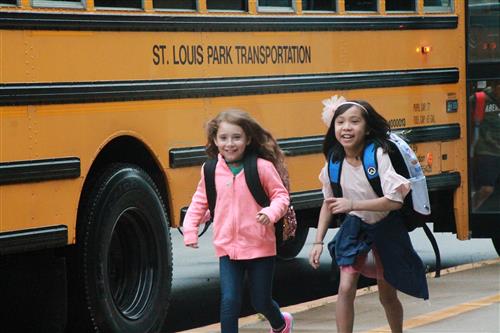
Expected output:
(127, 149)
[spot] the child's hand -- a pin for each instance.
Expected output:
(339, 205)
(315, 254)
(193, 245)
(263, 219)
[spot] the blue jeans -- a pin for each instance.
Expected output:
(260, 276)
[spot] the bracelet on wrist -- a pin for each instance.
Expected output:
(318, 243)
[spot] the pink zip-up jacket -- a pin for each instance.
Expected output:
(236, 230)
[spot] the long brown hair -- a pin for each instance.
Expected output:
(262, 143)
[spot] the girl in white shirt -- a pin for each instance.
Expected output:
(352, 124)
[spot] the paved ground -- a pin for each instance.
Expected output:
(465, 299)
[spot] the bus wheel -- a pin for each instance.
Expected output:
(496, 244)
(124, 253)
(289, 249)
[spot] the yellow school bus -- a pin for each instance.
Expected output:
(103, 102)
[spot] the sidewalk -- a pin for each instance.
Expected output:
(464, 299)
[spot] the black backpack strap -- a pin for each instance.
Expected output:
(209, 174)
(334, 171)
(253, 181)
(209, 177)
(370, 166)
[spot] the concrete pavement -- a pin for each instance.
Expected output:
(465, 299)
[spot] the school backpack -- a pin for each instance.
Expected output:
(287, 225)
(416, 206)
(478, 113)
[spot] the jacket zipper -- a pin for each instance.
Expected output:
(235, 229)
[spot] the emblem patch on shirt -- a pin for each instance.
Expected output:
(371, 171)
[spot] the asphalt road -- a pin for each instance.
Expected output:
(195, 295)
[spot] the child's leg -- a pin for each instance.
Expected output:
(260, 275)
(344, 311)
(232, 274)
(392, 306)
(481, 196)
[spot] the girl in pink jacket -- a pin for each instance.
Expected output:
(243, 235)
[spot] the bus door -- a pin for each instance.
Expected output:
(483, 88)
(485, 146)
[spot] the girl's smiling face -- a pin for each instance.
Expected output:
(231, 141)
(350, 129)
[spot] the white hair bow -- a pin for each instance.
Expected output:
(330, 105)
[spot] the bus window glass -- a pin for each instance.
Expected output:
(400, 5)
(226, 5)
(326, 5)
(175, 4)
(58, 3)
(485, 145)
(8, 2)
(275, 3)
(118, 3)
(438, 5)
(361, 5)
(484, 36)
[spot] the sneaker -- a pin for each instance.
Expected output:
(288, 323)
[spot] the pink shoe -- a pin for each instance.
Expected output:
(288, 323)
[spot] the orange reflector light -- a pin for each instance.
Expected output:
(429, 159)
(423, 49)
(492, 46)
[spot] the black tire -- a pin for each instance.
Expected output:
(124, 254)
(289, 249)
(496, 244)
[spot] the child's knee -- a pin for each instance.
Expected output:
(347, 289)
(486, 190)
(388, 299)
(230, 303)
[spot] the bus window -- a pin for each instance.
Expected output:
(240, 5)
(437, 5)
(361, 5)
(484, 35)
(58, 3)
(175, 4)
(275, 5)
(118, 3)
(326, 5)
(485, 146)
(400, 5)
(8, 2)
